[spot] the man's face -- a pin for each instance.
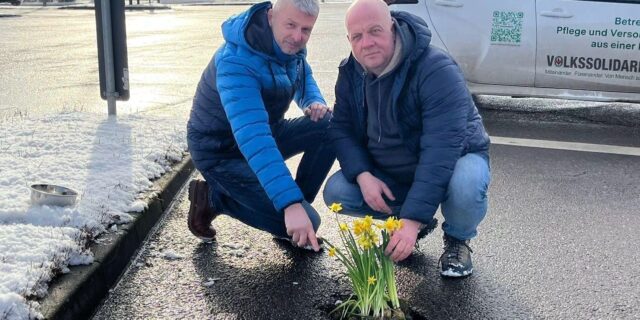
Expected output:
(291, 27)
(370, 33)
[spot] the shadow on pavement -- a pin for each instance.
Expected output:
(435, 297)
(288, 287)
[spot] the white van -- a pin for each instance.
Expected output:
(570, 49)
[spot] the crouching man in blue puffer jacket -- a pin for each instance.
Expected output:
(238, 136)
(408, 135)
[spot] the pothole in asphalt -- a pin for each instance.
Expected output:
(409, 313)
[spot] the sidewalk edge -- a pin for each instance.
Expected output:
(76, 294)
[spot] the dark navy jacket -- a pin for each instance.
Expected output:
(436, 117)
(248, 85)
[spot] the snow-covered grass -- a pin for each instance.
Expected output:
(110, 161)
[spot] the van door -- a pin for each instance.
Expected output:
(493, 41)
(588, 45)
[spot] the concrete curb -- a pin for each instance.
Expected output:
(76, 294)
(604, 116)
(572, 111)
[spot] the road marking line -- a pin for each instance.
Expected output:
(560, 145)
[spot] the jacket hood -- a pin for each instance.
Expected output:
(251, 30)
(413, 32)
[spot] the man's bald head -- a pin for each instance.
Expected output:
(370, 32)
(379, 8)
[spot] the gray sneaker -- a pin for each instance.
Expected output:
(455, 261)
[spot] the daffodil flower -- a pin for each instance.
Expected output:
(371, 271)
(335, 207)
(392, 224)
(358, 227)
(365, 243)
(368, 221)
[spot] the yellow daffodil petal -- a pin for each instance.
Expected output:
(392, 224)
(374, 238)
(335, 207)
(332, 252)
(364, 242)
(358, 227)
(368, 221)
(343, 226)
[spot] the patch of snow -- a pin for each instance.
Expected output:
(110, 161)
(138, 206)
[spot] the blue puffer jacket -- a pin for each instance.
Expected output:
(248, 85)
(436, 117)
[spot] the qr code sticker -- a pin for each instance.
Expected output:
(507, 27)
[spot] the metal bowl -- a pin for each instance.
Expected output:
(52, 195)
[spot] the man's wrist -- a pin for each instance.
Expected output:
(362, 175)
(412, 224)
(292, 206)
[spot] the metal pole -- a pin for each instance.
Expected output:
(107, 42)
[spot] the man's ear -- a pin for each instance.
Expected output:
(269, 15)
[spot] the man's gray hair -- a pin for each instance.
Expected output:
(310, 7)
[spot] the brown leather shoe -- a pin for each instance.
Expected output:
(200, 213)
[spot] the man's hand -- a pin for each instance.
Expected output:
(372, 189)
(402, 241)
(299, 226)
(316, 111)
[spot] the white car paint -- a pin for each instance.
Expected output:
(570, 49)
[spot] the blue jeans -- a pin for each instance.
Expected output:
(464, 205)
(234, 189)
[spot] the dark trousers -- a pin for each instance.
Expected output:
(234, 189)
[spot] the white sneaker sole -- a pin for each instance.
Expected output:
(450, 273)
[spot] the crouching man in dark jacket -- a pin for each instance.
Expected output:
(408, 135)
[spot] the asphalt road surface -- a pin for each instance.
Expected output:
(559, 240)
(558, 243)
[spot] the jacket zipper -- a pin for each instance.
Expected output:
(379, 107)
(362, 106)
